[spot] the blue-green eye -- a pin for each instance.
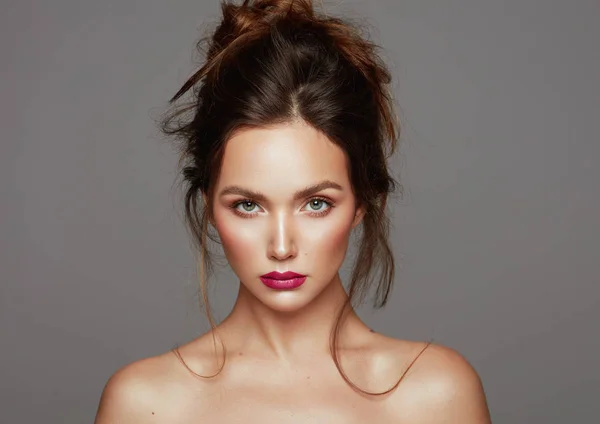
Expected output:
(315, 203)
(318, 207)
(248, 206)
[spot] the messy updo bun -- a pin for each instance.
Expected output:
(276, 61)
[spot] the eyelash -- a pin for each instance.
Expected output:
(251, 214)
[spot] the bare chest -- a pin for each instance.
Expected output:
(292, 404)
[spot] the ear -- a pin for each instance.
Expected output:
(358, 216)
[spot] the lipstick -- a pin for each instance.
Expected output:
(282, 280)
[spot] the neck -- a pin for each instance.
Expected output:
(257, 329)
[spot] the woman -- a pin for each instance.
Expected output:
(284, 150)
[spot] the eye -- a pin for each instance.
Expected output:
(317, 204)
(247, 206)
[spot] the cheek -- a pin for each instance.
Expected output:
(238, 239)
(328, 242)
(323, 241)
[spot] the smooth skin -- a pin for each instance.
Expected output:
(279, 368)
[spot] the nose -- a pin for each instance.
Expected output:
(282, 244)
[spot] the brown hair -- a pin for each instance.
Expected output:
(276, 61)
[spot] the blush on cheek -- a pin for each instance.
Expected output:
(330, 242)
(238, 241)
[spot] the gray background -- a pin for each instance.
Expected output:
(497, 235)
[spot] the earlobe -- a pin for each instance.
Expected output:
(358, 216)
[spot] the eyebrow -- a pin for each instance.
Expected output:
(305, 192)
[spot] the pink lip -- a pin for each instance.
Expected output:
(282, 275)
(281, 281)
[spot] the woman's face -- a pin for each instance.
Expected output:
(268, 219)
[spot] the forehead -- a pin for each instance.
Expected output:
(280, 159)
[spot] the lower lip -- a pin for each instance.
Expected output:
(292, 283)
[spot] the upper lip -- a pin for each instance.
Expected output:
(282, 275)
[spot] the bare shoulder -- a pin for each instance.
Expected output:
(162, 388)
(440, 386)
(139, 392)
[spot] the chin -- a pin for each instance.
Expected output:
(285, 301)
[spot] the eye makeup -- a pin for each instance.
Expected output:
(235, 207)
